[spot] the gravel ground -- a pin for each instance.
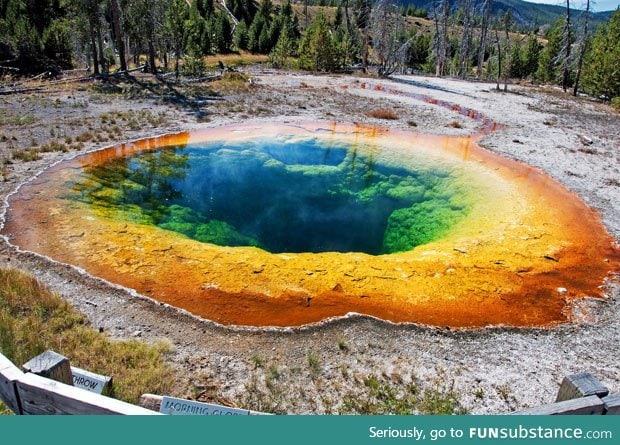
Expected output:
(316, 369)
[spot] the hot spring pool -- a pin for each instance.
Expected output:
(286, 225)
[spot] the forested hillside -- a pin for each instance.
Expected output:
(527, 15)
(465, 39)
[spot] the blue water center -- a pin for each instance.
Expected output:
(278, 194)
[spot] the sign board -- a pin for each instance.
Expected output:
(181, 407)
(90, 381)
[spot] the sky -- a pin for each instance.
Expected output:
(596, 5)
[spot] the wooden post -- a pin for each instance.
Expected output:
(150, 401)
(9, 374)
(52, 366)
(580, 385)
(612, 404)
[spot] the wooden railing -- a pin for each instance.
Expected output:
(28, 393)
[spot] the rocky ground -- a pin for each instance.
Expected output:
(340, 365)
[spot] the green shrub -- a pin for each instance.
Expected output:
(194, 66)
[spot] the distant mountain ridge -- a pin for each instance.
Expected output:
(525, 14)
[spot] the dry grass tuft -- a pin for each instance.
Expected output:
(588, 151)
(232, 83)
(27, 154)
(84, 137)
(235, 60)
(383, 113)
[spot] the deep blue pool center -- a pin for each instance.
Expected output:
(279, 195)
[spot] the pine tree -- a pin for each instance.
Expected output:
(258, 34)
(243, 10)
(265, 9)
(338, 17)
(223, 34)
(388, 37)
(56, 42)
(507, 21)
(240, 38)
(197, 36)
(601, 74)
(317, 49)
(547, 63)
(175, 26)
(276, 27)
(531, 54)
(278, 57)
(419, 51)
(347, 46)
(290, 23)
(440, 45)
(206, 8)
(516, 61)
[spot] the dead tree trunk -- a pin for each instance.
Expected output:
(507, 52)
(365, 52)
(118, 37)
(484, 26)
(582, 47)
(90, 10)
(499, 58)
(436, 37)
(306, 14)
(566, 41)
(345, 3)
(464, 48)
(152, 65)
(177, 52)
(363, 16)
(127, 48)
(102, 59)
(93, 48)
(441, 36)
